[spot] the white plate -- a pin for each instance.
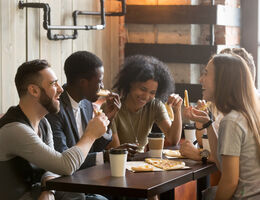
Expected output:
(131, 164)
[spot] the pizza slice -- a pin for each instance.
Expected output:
(186, 99)
(144, 168)
(173, 153)
(165, 164)
(103, 93)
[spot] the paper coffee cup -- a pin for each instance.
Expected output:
(190, 133)
(155, 143)
(118, 158)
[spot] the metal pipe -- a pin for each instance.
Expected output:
(47, 19)
(122, 13)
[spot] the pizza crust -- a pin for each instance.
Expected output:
(165, 164)
(173, 153)
(144, 168)
(103, 93)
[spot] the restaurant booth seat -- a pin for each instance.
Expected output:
(12, 183)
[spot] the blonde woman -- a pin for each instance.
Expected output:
(227, 83)
(187, 149)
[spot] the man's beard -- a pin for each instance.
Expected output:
(47, 102)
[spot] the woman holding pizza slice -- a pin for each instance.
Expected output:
(144, 83)
(228, 84)
(187, 149)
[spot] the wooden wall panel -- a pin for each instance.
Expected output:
(1, 55)
(159, 2)
(12, 50)
(33, 32)
(114, 52)
(22, 38)
(142, 2)
(175, 2)
(141, 33)
(85, 38)
(66, 45)
(49, 49)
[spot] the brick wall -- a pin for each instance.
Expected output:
(179, 34)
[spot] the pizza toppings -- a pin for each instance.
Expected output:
(173, 153)
(143, 168)
(205, 106)
(165, 164)
(103, 93)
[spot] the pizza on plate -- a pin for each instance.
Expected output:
(165, 164)
(143, 168)
(172, 153)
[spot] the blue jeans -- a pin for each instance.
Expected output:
(77, 196)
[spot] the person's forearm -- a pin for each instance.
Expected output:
(194, 155)
(175, 129)
(85, 143)
(213, 142)
(225, 190)
(46, 195)
(199, 133)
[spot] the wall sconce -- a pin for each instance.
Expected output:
(47, 19)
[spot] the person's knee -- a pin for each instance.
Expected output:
(95, 197)
(69, 196)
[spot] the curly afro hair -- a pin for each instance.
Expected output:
(140, 68)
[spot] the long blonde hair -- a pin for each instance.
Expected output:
(235, 90)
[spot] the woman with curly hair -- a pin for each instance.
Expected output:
(144, 83)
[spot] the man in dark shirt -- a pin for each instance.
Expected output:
(84, 72)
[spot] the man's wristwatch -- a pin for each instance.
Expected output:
(204, 154)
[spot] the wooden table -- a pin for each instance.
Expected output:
(98, 180)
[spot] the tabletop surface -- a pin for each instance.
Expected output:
(98, 179)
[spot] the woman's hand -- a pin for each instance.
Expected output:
(175, 101)
(131, 148)
(201, 105)
(112, 106)
(196, 115)
(188, 150)
(46, 195)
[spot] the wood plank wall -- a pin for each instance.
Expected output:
(184, 34)
(23, 38)
(12, 49)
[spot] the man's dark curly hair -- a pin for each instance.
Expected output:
(81, 64)
(140, 68)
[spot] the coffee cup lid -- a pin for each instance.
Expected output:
(189, 126)
(118, 151)
(156, 135)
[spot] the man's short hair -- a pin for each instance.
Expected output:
(81, 64)
(28, 73)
